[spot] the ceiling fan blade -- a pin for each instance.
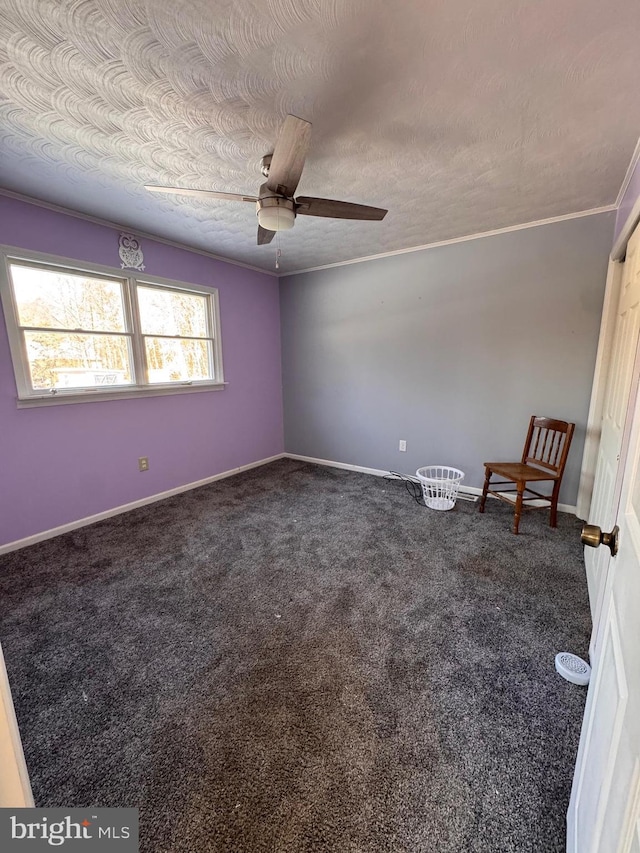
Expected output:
(309, 206)
(200, 193)
(289, 155)
(264, 235)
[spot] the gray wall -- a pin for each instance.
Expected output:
(451, 348)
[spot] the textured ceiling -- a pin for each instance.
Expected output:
(460, 116)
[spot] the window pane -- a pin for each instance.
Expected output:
(171, 360)
(60, 300)
(168, 312)
(62, 360)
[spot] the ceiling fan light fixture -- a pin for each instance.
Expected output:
(276, 214)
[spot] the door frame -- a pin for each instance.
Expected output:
(603, 358)
(599, 389)
(15, 788)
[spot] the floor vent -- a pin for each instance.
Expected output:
(573, 668)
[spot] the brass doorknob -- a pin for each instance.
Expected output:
(593, 536)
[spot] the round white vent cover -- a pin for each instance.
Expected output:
(573, 668)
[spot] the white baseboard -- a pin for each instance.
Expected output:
(118, 510)
(570, 508)
(377, 472)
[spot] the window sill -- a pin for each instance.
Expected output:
(66, 397)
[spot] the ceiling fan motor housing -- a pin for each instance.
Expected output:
(276, 213)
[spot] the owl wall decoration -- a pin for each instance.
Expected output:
(130, 252)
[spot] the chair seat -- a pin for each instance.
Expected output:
(518, 471)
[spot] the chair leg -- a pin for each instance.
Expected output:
(553, 515)
(485, 489)
(518, 512)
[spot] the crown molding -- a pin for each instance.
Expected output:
(109, 224)
(578, 215)
(67, 211)
(629, 173)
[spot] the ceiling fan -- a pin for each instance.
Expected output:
(276, 207)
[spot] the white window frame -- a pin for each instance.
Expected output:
(140, 387)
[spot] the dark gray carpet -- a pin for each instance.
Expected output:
(303, 659)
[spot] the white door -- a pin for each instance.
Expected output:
(604, 812)
(605, 494)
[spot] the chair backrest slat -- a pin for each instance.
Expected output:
(547, 444)
(537, 432)
(544, 456)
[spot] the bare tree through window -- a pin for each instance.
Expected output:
(68, 319)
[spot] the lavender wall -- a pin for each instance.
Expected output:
(63, 463)
(628, 200)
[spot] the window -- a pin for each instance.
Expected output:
(76, 333)
(175, 329)
(73, 328)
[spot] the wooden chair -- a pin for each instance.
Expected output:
(543, 458)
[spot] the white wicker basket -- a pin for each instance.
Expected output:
(440, 485)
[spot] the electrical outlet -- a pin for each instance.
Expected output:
(143, 463)
(402, 445)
